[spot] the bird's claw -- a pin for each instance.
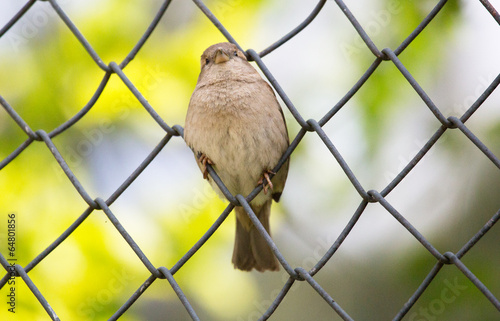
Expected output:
(204, 160)
(268, 180)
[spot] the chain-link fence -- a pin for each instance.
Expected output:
(311, 126)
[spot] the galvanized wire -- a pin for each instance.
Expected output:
(296, 274)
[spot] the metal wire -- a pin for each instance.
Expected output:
(295, 273)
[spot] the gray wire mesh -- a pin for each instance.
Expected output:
(296, 274)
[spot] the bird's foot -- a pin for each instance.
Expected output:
(267, 183)
(204, 160)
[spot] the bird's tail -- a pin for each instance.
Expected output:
(251, 250)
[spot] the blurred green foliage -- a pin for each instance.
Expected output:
(47, 77)
(386, 91)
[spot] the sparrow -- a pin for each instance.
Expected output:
(235, 124)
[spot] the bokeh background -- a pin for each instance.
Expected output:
(47, 76)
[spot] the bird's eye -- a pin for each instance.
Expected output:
(235, 53)
(207, 61)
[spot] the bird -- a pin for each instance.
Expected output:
(235, 124)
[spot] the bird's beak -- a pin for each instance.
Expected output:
(221, 56)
